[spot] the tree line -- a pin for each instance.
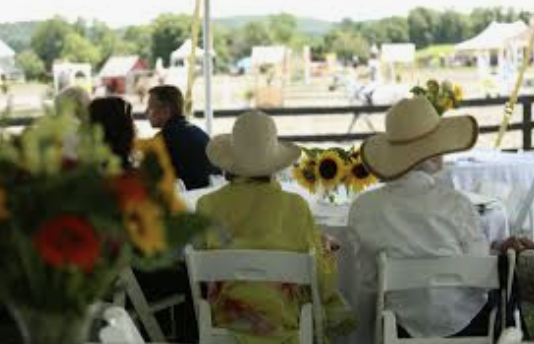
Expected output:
(40, 44)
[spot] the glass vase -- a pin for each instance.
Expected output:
(41, 326)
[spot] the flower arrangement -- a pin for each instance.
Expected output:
(443, 96)
(69, 223)
(324, 170)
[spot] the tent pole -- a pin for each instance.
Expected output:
(208, 67)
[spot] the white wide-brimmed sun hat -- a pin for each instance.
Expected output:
(414, 133)
(253, 148)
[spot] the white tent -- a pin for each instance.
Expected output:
(184, 51)
(7, 59)
(494, 37)
(6, 51)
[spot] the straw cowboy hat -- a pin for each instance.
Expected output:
(415, 132)
(253, 149)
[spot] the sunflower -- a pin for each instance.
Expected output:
(358, 177)
(167, 183)
(304, 173)
(145, 229)
(330, 169)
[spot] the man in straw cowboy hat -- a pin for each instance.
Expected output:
(253, 212)
(413, 216)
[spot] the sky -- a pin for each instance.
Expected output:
(118, 13)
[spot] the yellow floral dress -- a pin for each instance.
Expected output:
(254, 215)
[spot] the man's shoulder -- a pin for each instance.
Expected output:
(185, 130)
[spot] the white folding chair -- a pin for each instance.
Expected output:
(120, 329)
(145, 309)
(432, 272)
(253, 265)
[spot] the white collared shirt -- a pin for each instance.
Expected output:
(415, 217)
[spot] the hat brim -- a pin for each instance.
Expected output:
(389, 161)
(221, 153)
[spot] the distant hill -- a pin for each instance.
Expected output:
(306, 25)
(17, 35)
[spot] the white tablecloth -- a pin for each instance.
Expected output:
(507, 176)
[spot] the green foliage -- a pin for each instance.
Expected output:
(49, 38)
(31, 64)
(234, 37)
(79, 49)
(140, 38)
(283, 28)
(169, 31)
(347, 44)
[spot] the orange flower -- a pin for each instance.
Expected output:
(68, 240)
(129, 189)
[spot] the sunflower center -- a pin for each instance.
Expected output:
(360, 171)
(328, 169)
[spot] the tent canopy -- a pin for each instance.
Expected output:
(184, 51)
(5, 50)
(494, 37)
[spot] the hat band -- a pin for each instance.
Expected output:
(416, 138)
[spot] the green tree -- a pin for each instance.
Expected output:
(49, 39)
(253, 34)
(140, 39)
(453, 27)
(78, 49)
(222, 43)
(107, 40)
(422, 23)
(31, 64)
(347, 44)
(283, 28)
(169, 31)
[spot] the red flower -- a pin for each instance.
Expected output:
(68, 240)
(129, 188)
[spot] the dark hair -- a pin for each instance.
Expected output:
(169, 96)
(114, 114)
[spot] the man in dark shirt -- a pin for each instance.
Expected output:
(186, 143)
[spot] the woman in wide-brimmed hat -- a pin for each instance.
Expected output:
(253, 212)
(412, 215)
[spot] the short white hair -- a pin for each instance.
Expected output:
(73, 100)
(429, 166)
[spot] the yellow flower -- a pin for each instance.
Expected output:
(458, 93)
(167, 184)
(4, 213)
(445, 103)
(305, 175)
(330, 169)
(358, 177)
(144, 227)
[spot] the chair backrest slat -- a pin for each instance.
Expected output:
(458, 271)
(251, 265)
